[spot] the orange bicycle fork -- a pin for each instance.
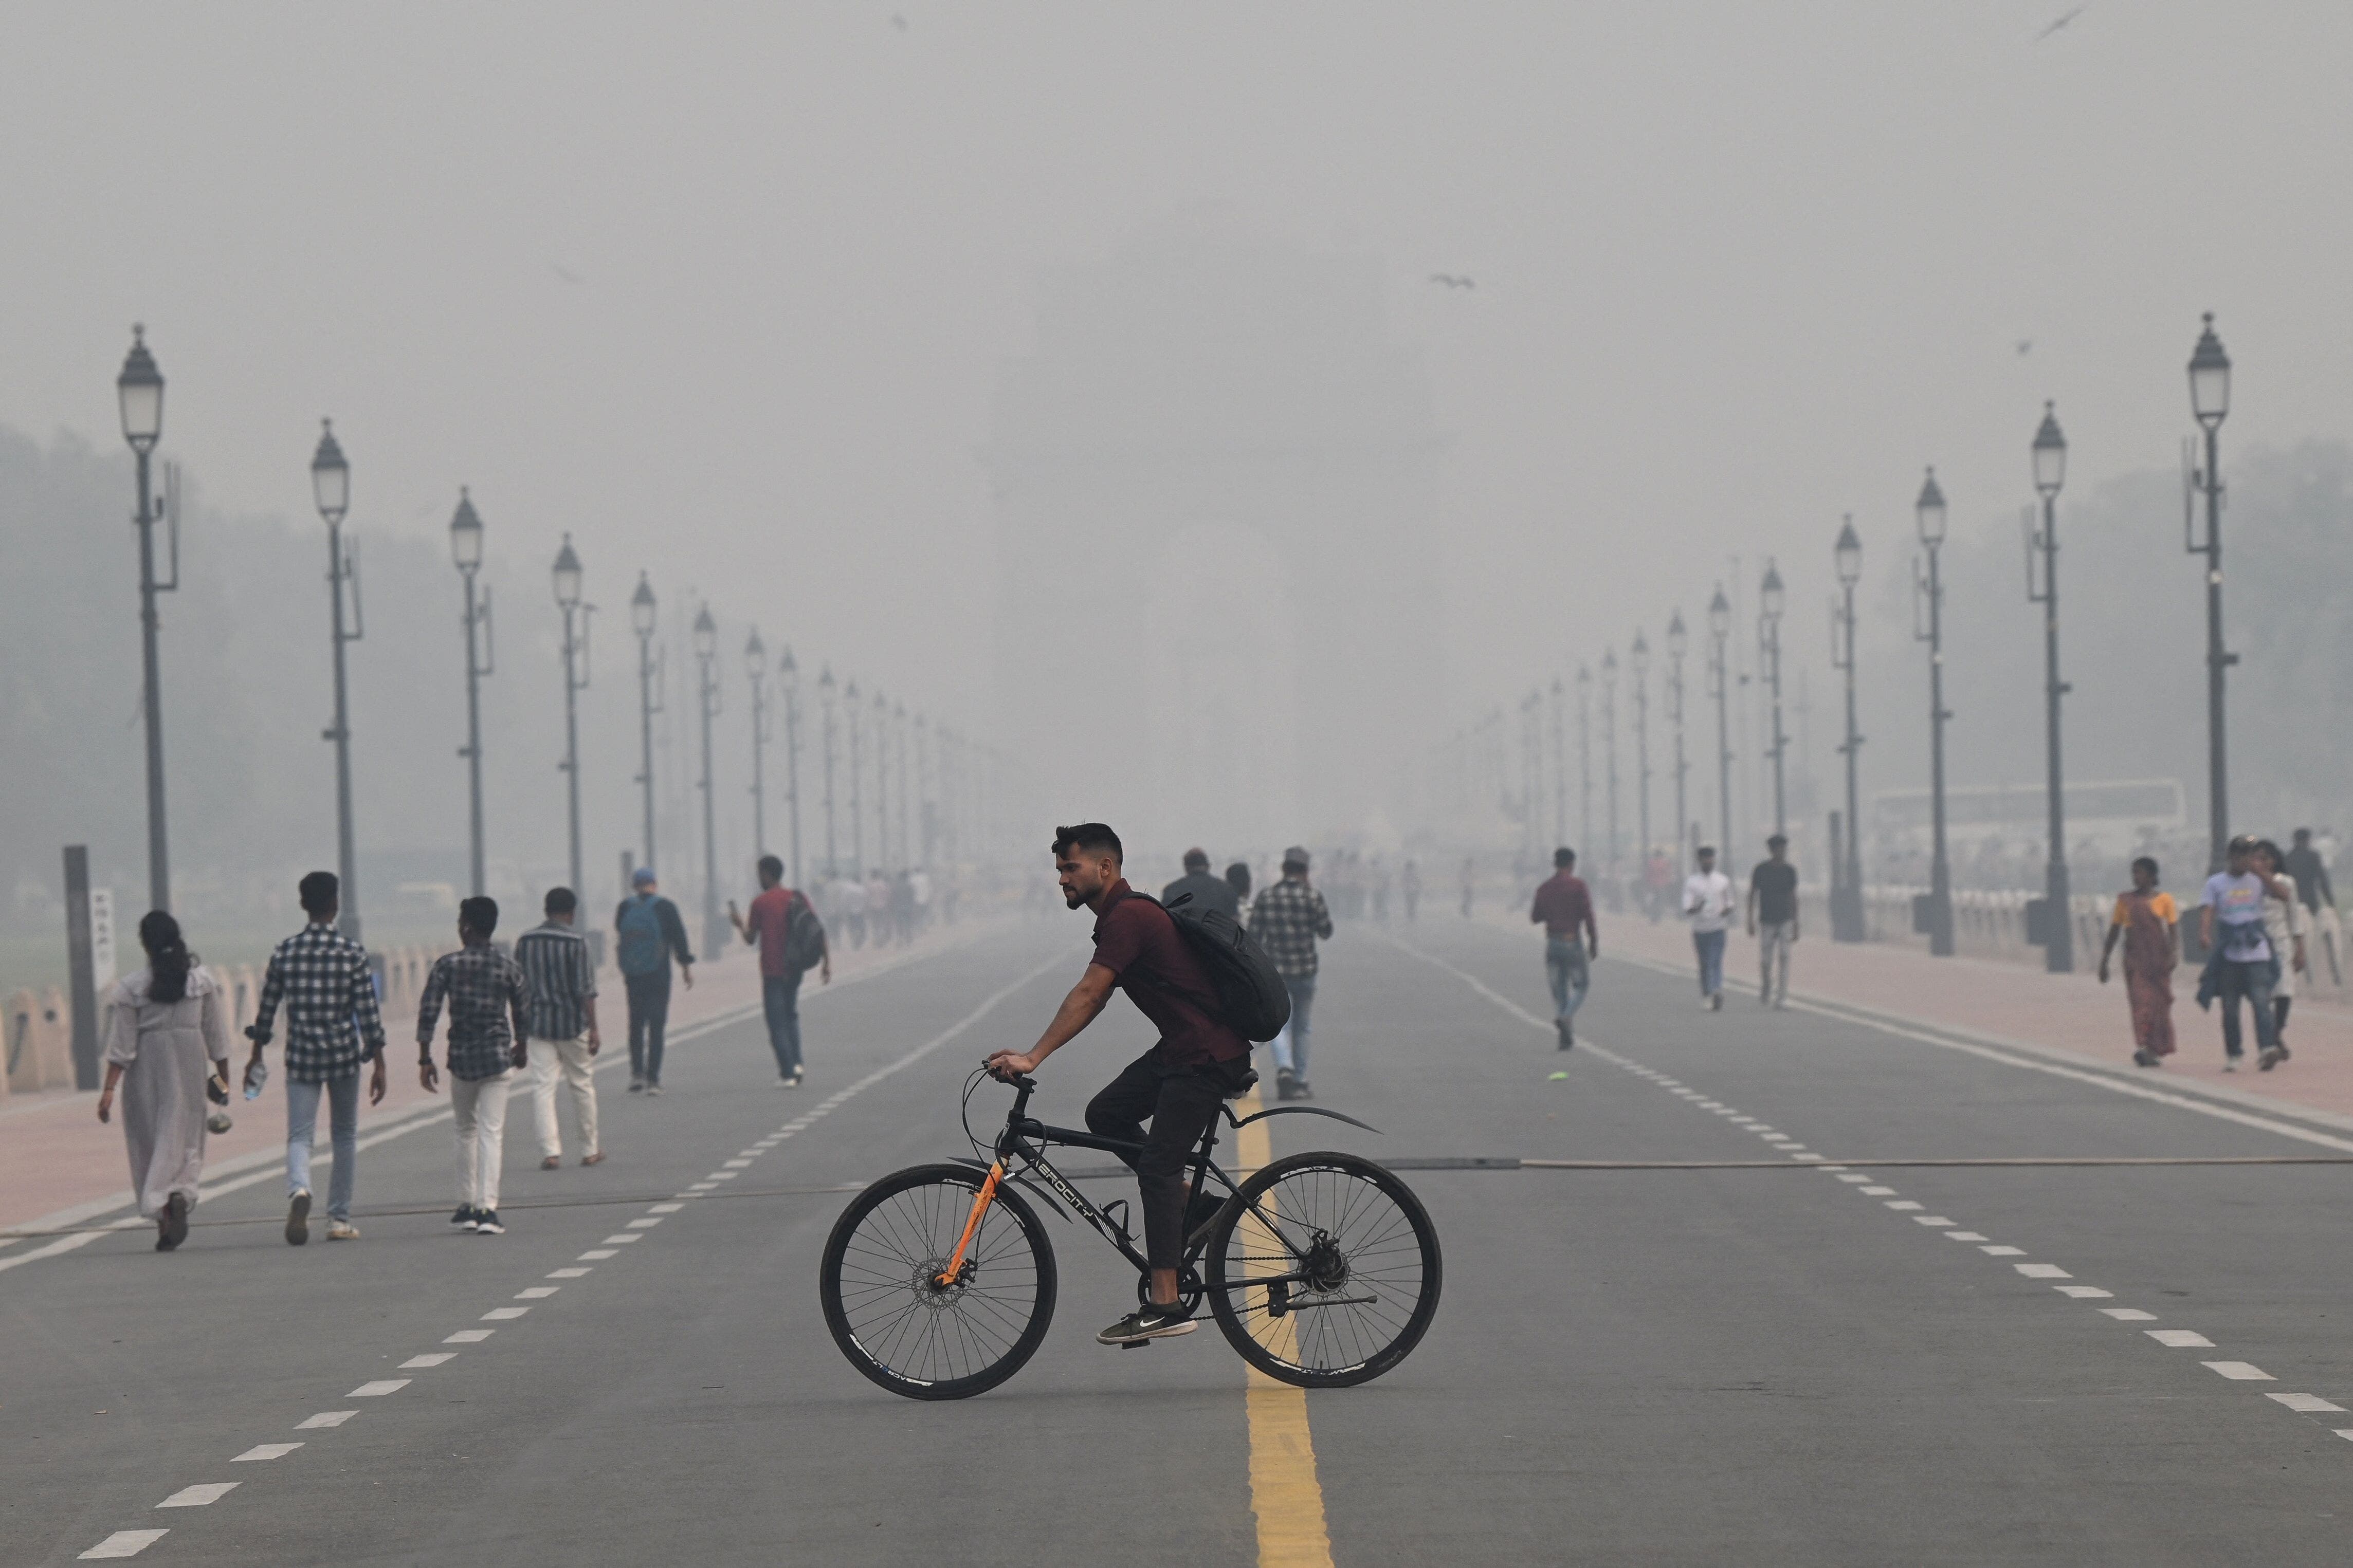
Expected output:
(981, 1200)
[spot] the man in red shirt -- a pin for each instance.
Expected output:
(1564, 907)
(770, 924)
(1178, 1083)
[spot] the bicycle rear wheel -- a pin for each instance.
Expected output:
(1326, 1273)
(893, 1319)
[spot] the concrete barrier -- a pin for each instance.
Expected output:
(39, 1041)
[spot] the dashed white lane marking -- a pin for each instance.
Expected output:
(470, 1336)
(2309, 1403)
(568, 1274)
(645, 1224)
(665, 1209)
(2042, 1271)
(1851, 1176)
(599, 1255)
(1937, 1220)
(622, 1240)
(199, 1496)
(1963, 1236)
(2129, 1314)
(504, 1314)
(431, 1358)
(2001, 1251)
(2238, 1372)
(2084, 1292)
(125, 1544)
(265, 1451)
(1905, 1205)
(738, 1164)
(537, 1293)
(325, 1418)
(1876, 1192)
(2180, 1339)
(378, 1389)
(701, 1187)
(724, 1176)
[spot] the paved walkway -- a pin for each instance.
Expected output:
(58, 1166)
(2010, 1003)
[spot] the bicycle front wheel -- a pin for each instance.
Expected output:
(1326, 1273)
(890, 1314)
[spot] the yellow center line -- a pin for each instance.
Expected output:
(1285, 1496)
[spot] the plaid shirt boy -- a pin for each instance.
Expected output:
(1286, 919)
(485, 988)
(332, 1022)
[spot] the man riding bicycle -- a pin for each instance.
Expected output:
(1179, 1083)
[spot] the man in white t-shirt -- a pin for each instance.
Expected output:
(1708, 904)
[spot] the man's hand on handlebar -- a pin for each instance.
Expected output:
(1006, 1066)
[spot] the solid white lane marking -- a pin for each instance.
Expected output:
(2084, 1292)
(2003, 1251)
(378, 1389)
(325, 1418)
(504, 1314)
(265, 1451)
(665, 1209)
(1904, 1205)
(2042, 1271)
(537, 1293)
(599, 1256)
(431, 1358)
(1877, 1192)
(1935, 1219)
(568, 1274)
(470, 1336)
(2129, 1314)
(199, 1496)
(619, 1240)
(1963, 1236)
(2238, 1371)
(2310, 1403)
(125, 1543)
(644, 1224)
(2184, 1340)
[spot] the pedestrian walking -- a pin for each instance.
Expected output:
(1409, 885)
(488, 1024)
(333, 1026)
(2286, 927)
(1707, 904)
(2230, 928)
(559, 975)
(1237, 879)
(918, 883)
(2310, 871)
(1564, 907)
(791, 940)
(650, 936)
(1773, 918)
(2148, 922)
(878, 906)
(166, 1047)
(1288, 918)
(1206, 891)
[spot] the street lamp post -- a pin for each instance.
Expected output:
(706, 658)
(465, 550)
(1928, 588)
(849, 707)
(1638, 665)
(755, 666)
(899, 749)
(1678, 643)
(140, 390)
(576, 682)
(792, 685)
(883, 781)
(1560, 767)
(331, 488)
(1846, 920)
(641, 620)
(1584, 759)
(1769, 600)
(2050, 473)
(1610, 765)
(2210, 400)
(826, 705)
(1719, 632)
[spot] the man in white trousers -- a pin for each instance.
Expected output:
(485, 990)
(560, 975)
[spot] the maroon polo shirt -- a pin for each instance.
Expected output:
(1136, 940)
(1565, 907)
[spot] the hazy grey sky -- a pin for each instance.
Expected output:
(726, 287)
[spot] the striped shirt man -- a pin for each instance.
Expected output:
(560, 978)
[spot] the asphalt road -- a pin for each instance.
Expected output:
(1759, 1364)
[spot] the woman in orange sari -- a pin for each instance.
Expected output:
(2146, 919)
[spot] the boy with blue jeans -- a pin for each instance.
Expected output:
(2231, 924)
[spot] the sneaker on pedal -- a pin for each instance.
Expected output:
(1147, 1324)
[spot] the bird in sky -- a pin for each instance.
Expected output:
(1453, 280)
(2061, 22)
(2025, 345)
(566, 272)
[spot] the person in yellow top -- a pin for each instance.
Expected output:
(2146, 919)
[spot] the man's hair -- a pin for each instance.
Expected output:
(2302, 834)
(479, 915)
(320, 891)
(2147, 860)
(774, 866)
(559, 902)
(1073, 841)
(2244, 844)
(1778, 841)
(1705, 849)
(1564, 856)
(1197, 860)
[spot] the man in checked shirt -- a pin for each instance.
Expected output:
(485, 990)
(332, 1026)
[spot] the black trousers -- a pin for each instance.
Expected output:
(648, 1013)
(1181, 1101)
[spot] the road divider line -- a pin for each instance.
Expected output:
(1286, 1498)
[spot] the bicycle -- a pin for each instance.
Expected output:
(1321, 1269)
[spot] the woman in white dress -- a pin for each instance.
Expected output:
(2288, 925)
(166, 1033)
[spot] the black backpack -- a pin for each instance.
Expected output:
(1252, 1000)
